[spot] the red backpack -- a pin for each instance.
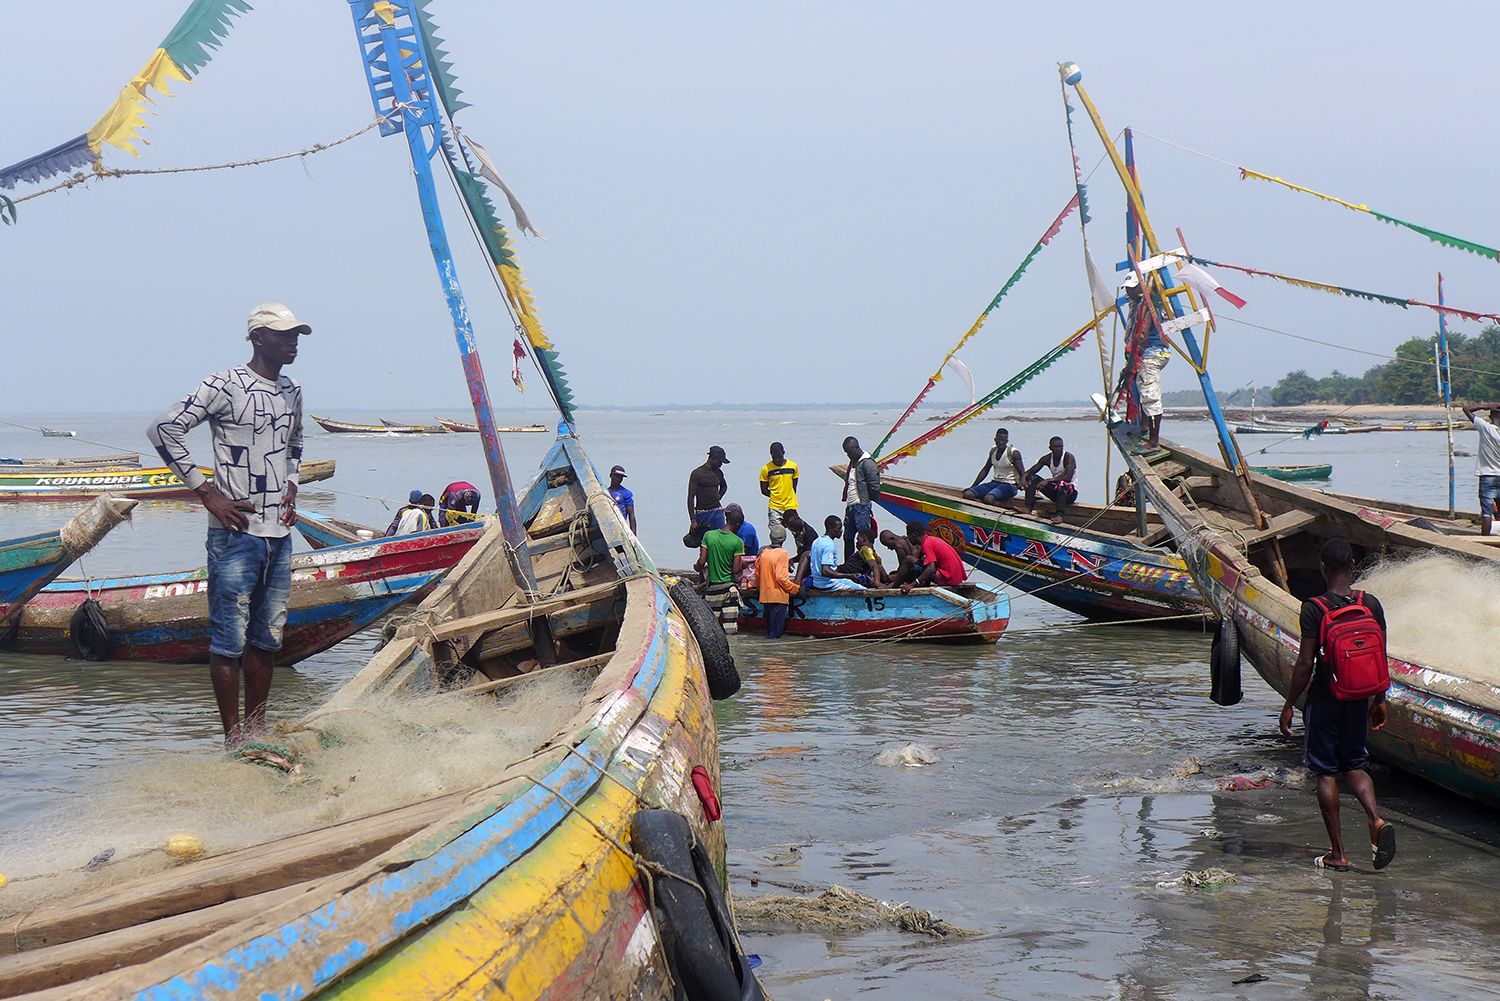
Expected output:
(1353, 644)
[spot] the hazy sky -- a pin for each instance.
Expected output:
(777, 202)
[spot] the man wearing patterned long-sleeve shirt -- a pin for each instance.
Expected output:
(255, 415)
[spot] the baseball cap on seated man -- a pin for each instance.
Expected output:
(274, 316)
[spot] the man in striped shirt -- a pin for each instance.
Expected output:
(255, 414)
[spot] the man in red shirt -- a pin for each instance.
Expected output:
(942, 564)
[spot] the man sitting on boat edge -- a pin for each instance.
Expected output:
(1009, 472)
(825, 574)
(1058, 487)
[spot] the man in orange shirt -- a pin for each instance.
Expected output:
(776, 588)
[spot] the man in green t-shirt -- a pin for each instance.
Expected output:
(716, 562)
(778, 481)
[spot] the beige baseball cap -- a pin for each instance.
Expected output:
(274, 316)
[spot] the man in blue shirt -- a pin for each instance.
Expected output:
(734, 515)
(624, 499)
(824, 570)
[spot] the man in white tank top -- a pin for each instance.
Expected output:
(1057, 486)
(1488, 466)
(1009, 473)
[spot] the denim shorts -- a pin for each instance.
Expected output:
(995, 488)
(249, 581)
(1489, 489)
(1336, 735)
(710, 520)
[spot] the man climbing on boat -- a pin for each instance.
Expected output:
(255, 415)
(1058, 485)
(778, 482)
(1009, 473)
(861, 490)
(1335, 725)
(1488, 466)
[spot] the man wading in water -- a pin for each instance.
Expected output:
(1335, 725)
(255, 414)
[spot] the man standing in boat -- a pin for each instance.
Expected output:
(1009, 472)
(1489, 459)
(1336, 727)
(861, 490)
(255, 415)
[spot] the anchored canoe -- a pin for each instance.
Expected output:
(157, 483)
(1313, 472)
(322, 531)
(962, 613)
(1097, 563)
(121, 460)
(1442, 725)
(27, 565)
(414, 428)
(341, 427)
(474, 428)
(164, 617)
(526, 884)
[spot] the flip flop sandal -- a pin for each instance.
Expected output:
(1384, 847)
(1322, 862)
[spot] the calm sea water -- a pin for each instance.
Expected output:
(1063, 792)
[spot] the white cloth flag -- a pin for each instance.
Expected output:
(964, 374)
(489, 173)
(1103, 297)
(1203, 283)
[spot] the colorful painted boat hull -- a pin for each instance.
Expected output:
(164, 617)
(1096, 574)
(965, 614)
(154, 483)
(1440, 727)
(29, 564)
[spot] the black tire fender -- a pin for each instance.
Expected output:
(696, 930)
(718, 662)
(89, 631)
(1224, 664)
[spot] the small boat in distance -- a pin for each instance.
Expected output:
(1313, 472)
(342, 427)
(122, 460)
(474, 428)
(57, 433)
(414, 428)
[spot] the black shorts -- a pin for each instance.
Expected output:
(1336, 735)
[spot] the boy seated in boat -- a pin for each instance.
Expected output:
(825, 574)
(1009, 473)
(864, 566)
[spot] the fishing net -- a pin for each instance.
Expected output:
(840, 911)
(1441, 612)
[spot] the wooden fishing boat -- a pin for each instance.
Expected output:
(341, 427)
(154, 483)
(322, 531)
(121, 460)
(474, 428)
(530, 882)
(1442, 725)
(414, 428)
(336, 592)
(1312, 472)
(1098, 563)
(57, 433)
(27, 565)
(961, 613)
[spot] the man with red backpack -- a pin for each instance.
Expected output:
(1343, 637)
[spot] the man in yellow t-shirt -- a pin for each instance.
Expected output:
(778, 481)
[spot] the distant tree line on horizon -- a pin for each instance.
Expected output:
(1409, 378)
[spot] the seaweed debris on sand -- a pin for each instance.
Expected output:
(838, 909)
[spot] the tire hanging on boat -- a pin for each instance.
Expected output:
(1224, 665)
(718, 662)
(90, 632)
(697, 933)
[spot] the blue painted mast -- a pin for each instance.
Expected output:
(1162, 284)
(1445, 382)
(396, 68)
